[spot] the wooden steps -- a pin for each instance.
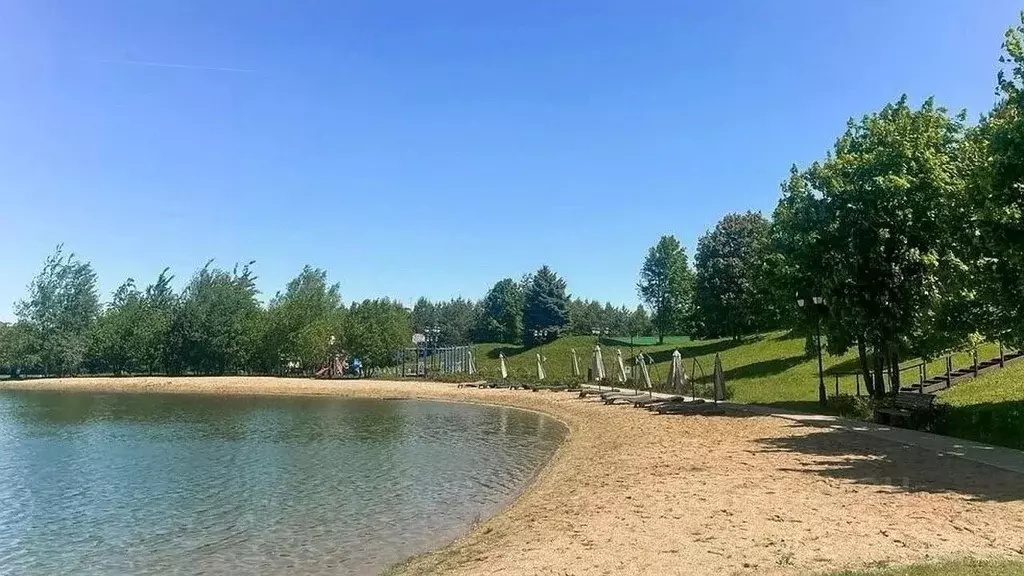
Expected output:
(939, 382)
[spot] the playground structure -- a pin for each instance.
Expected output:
(423, 361)
(333, 368)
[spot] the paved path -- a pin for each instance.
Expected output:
(997, 456)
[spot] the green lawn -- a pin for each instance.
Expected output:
(766, 369)
(771, 369)
(959, 568)
(988, 409)
(645, 340)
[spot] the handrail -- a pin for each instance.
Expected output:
(693, 372)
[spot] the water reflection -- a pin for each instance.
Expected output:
(157, 484)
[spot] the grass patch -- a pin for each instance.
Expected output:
(646, 340)
(766, 369)
(989, 408)
(957, 568)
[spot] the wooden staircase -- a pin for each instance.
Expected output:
(940, 382)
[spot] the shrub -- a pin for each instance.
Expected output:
(847, 406)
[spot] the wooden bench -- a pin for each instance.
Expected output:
(904, 407)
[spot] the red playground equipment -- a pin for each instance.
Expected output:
(333, 368)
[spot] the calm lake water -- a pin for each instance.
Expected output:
(170, 484)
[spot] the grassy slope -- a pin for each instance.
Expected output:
(990, 408)
(960, 568)
(768, 369)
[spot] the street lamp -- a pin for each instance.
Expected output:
(817, 303)
(431, 336)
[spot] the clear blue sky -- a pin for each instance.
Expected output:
(434, 147)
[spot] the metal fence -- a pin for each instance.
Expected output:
(424, 361)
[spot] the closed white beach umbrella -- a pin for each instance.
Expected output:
(471, 362)
(597, 365)
(676, 376)
(504, 368)
(719, 378)
(622, 368)
(641, 361)
(575, 364)
(540, 368)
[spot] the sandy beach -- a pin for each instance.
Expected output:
(634, 493)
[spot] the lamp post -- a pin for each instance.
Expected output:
(430, 342)
(816, 304)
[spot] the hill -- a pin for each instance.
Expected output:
(766, 369)
(989, 408)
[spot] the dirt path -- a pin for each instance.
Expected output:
(634, 493)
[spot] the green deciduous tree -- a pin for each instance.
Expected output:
(115, 342)
(996, 192)
(375, 329)
(18, 348)
(60, 309)
(640, 322)
(884, 228)
(585, 316)
(501, 313)
(617, 319)
(424, 316)
(216, 327)
(305, 321)
(456, 320)
(733, 291)
(545, 307)
(666, 285)
(160, 306)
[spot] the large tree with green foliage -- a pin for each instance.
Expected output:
(501, 313)
(161, 306)
(375, 329)
(9, 352)
(733, 289)
(545, 307)
(666, 285)
(61, 307)
(424, 316)
(217, 326)
(585, 316)
(18, 348)
(997, 197)
(640, 322)
(883, 236)
(456, 320)
(305, 321)
(115, 343)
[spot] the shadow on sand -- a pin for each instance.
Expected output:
(850, 456)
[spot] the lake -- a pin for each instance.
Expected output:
(176, 484)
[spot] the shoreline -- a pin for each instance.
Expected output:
(630, 492)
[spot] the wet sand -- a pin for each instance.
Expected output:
(634, 493)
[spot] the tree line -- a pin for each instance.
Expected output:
(501, 316)
(216, 324)
(910, 230)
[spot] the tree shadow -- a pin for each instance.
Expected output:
(791, 334)
(851, 456)
(726, 413)
(689, 352)
(510, 350)
(805, 406)
(763, 368)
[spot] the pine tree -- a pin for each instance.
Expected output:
(545, 310)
